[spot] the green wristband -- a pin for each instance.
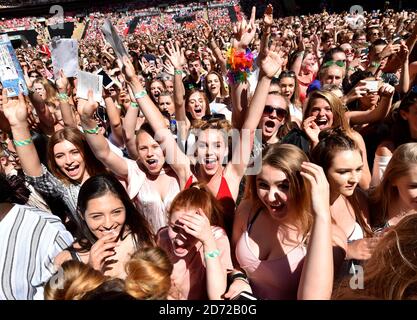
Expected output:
(140, 94)
(92, 131)
(134, 105)
(21, 143)
(212, 254)
(179, 72)
(63, 97)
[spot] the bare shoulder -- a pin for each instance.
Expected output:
(385, 148)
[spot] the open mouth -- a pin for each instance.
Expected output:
(198, 110)
(277, 207)
(73, 170)
(152, 163)
(179, 247)
(321, 122)
(270, 126)
(210, 163)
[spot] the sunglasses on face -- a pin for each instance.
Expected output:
(280, 112)
(212, 117)
(349, 51)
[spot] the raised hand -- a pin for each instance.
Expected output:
(311, 128)
(101, 250)
(319, 188)
(271, 62)
(244, 32)
(361, 249)
(386, 90)
(86, 108)
(176, 55)
(207, 30)
(62, 82)
(169, 67)
(268, 17)
(128, 70)
(14, 109)
(198, 225)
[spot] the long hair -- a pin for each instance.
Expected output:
(330, 143)
(339, 119)
(287, 158)
(92, 165)
(385, 194)
(295, 98)
(187, 100)
(77, 279)
(50, 90)
(135, 223)
(149, 274)
(195, 197)
(223, 92)
(390, 273)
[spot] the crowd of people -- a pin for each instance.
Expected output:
(274, 156)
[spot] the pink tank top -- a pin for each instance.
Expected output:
(275, 279)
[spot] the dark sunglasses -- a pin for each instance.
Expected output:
(281, 113)
(349, 51)
(215, 116)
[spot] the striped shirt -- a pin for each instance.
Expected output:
(30, 239)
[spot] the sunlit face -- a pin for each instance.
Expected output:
(166, 104)
(271, 121)
(105, 214)
(257, 45)
(345, 172)
(287, 87)
(181, 241)
(70, 161)
(407, 188)
(196, 106)
(194, 67)
(150, 153)
(211, 151)
(169, 85)
(40, 89)
(378, 49)
(156, 88)
(274, 191)
(207, 65)
(323, 112)
(309, 62)
(333, 75)
(213, 84)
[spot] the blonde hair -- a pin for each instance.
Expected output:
(391, 272)
(382, 197)
(51, 92)
(78, 279)
(287, 158)
(149, 274)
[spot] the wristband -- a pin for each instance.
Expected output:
(134, 105)
(92, 131)
(375, 64)
(22, 143)
(212, 254)
(140, 94)
(179, 72)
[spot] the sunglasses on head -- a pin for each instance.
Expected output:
(281, 113)
(339, 63)
(287, 73)
(214, 116)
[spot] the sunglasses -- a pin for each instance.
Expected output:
(287, 73)
(375, 33)
(339, 63)
(281, 113)
(349, 51)
(214, 116)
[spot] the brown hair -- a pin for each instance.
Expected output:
(195, 197)
(92, 165)
(203, 95)
(287, 158)
(149, 274)
(51, 92)
(223, 92)
(390, 273)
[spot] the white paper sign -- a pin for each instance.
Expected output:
(111, 36)
(65, 56)
(87, 81)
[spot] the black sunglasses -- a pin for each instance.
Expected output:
(281, 113)
(214, 116)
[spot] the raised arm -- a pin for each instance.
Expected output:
(377, 114)
(178, 161)
(96, 140)
(114, 118)
(316, 280)
(208, 34)
(15, 110)
(66, 109)
(44, 114)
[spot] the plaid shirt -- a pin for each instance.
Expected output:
(48, 184)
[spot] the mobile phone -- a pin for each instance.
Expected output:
(107, 81)
(244, 295)
(372, 85)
